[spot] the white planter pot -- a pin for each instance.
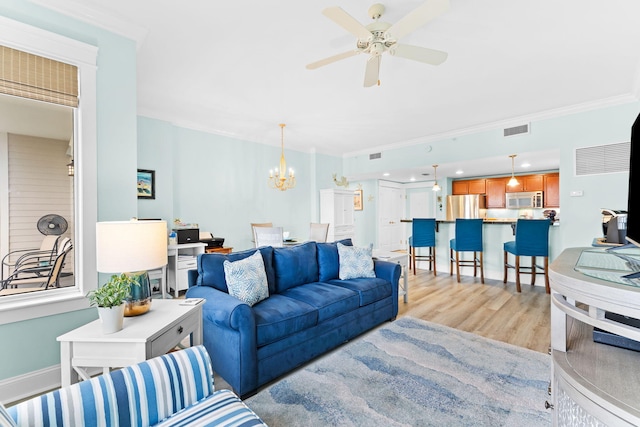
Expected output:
(112, 318)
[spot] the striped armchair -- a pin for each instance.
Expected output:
(170, 390)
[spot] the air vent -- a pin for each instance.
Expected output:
(375, 156)
(602, 159)
(516, 130)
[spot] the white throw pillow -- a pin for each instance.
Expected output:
(355, 262)
(247, 279)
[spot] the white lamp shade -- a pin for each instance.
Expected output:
(127, 246)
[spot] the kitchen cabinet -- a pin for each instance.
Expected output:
(336, 209)
(495, 190)
(468, 186)
(552, 190)
(533, 182)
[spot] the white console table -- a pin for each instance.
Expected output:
(592, 383)
(398, 258)
(182, 258)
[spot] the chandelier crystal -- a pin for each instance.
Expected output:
(278, 179)
(436, 187)
(513, 181)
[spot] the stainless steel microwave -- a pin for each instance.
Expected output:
(527, 199)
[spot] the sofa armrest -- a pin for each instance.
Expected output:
(229, 334)
(391, 272)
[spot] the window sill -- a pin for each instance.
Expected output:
(17, 308)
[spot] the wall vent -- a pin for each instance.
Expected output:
(516, 130)
(602, 159)
(375, 156)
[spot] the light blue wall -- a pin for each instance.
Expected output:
(580, 216)
(31, 345)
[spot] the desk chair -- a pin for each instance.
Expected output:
(468, 239)
(318, 232)
(532, 239)
(269, 236)
(423, 235)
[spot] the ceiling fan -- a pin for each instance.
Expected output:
(380, 37)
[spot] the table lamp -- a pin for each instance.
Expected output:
(132, 247)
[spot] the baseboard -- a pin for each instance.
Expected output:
(24, 386)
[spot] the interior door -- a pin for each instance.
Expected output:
(391, 207)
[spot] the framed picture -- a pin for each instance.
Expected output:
(146, 184)
(357, 200)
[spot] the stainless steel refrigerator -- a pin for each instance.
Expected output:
(466, 206)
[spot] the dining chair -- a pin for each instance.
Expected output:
(423, 235)
(468, 239)
(269, 236)
(532, 239)
(258, 224)
(318, 232)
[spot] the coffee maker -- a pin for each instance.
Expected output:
(614, 225)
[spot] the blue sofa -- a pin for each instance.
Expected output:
(170, 390)
(308, 312)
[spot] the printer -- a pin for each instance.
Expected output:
(212, 242)
(187, 235)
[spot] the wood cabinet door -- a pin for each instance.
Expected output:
(460, 187)
(552, 190)
(477, 186)
(534, 183)
(496, 189)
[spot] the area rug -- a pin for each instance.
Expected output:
(413, 373)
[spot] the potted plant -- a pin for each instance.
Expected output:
(110, 299)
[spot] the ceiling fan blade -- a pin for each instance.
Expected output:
(331, 59)
(417, 53)
(418, 17)
(372, 72)
(346, 21)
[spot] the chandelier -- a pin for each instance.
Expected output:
(278, 179)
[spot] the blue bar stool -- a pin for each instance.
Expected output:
(423, 236)
(468, 239)
(532, 239)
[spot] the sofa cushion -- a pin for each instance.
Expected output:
(355, 262)
(328, 260)
(279, 316)
(295, 265)
(246, 279)
(369, 289)
(211, 267)
(329, 300)
(222, 408)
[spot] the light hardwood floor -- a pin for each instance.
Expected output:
(493, 310)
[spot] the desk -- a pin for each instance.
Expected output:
(399, 258)
(143, 337)
(219, 250)
(182, 258)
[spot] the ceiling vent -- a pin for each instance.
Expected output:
(516, 130)
(602, 159)
(375, 156)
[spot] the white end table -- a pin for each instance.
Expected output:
(143, 337)
(398, 258)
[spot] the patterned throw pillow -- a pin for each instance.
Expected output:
(5, 418)
(355, 262)
(246, 279)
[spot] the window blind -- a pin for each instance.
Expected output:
(35, 77)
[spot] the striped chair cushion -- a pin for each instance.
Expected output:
(222, 409)
(5, 418)
(138, 395)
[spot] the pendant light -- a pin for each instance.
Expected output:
(436, 187)
(278, 178)
(513, 181)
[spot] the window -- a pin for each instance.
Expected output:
(80, 141)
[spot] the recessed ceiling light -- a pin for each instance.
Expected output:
(525, 165)
(386, 174)
(412, 178)
(459, 172)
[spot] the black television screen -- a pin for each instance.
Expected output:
(633, 203)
